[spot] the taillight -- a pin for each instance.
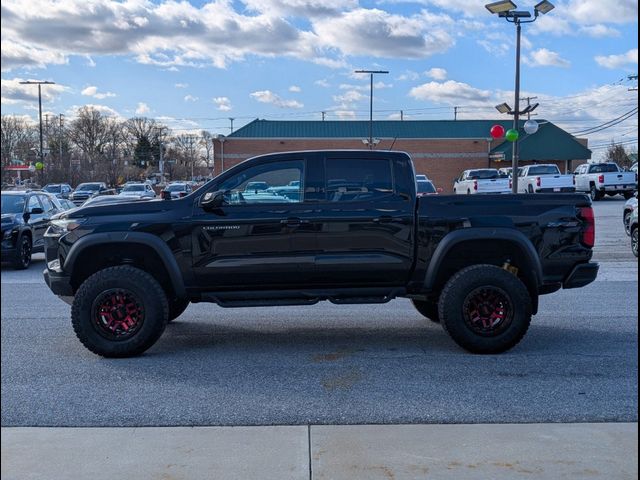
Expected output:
(538, 181)
(601, 179)
(475, 185)
(589, 232)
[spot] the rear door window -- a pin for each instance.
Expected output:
(349, 180)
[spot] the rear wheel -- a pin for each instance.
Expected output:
(530, 189)
(627, 195)
(485, 309)
(428, 309)
(22, 258)
(627, 223)
(595, 194)
(119, 312)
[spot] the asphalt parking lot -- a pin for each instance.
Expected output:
(330, 364)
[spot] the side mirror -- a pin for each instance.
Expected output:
(36, 211)
(212, 200)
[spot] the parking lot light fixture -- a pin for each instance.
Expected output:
(502, 6)
(504, 108)
(370, 141)
(544, 7)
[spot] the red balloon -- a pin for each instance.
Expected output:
(497, 131)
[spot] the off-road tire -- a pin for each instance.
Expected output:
(177, 306)
(455, 322)
(627, 222)
(22, 259)
(147, 292)
(429, 310)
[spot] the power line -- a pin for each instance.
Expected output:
(607, 124)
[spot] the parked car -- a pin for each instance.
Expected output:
(633, 227)
(176, 190)
(426, 187)
(627, 211)
(360, 236)
(25, 218)
(66, 203)
(481, 180)
(139, 190)
(544, 179)
(84, 191)
(600, 179)
(60, 190)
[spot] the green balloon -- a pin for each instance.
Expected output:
(39, 166)
(511, 135)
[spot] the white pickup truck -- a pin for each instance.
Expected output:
(481, 180)
(544, 179)
(599, 179)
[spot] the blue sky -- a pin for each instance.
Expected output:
(194, 65)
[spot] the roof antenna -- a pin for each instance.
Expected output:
(393, 143)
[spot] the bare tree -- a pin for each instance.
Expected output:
(89, 132)
(17, 137)
(617, 153)
(187, 147)
(206, 141)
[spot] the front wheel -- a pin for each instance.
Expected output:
(634, 241)
(119, 312)
(428, 309)
(627, 223)
(485, 309)
(627, 195)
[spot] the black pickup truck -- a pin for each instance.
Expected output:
(297, 228)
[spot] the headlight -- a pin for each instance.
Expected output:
(61, 226)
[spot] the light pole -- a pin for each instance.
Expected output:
(371, 73)
(39, 83)
(221, 139)
(507, 10)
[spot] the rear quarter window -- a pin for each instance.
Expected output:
(360, 179)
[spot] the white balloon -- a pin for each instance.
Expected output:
(531, 127)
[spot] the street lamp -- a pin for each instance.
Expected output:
(221, 139)
(39, 83)
(507, 10)
(371, 73)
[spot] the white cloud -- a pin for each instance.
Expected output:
(349, 97)
(190, 98)
(450, 92)
(436, 73)
(295, 89)
(92, 91)
(322, 83)
(103, 109)
(345, 114)
(300, 8)
(13, 92)
(142, 109)
(181, 85)
(601, 11)
(545, 58)
(599, 31)
(616, 62)
(408, 75)
(223, 103)
(267, 96)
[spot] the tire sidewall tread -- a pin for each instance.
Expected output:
(463, 282)
(144, 286)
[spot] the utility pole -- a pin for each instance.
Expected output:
(323, 114)
(60, 126)
(455, 113)
(191, 140)
(39, 83)
(401, 115)
(528, 99)
(371, 73)
(231, 120)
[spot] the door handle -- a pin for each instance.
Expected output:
(383, 219)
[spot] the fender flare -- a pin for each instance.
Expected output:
(147, 239)
(452, 239)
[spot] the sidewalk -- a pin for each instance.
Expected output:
(511, 451)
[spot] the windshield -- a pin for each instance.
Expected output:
(424, 186)
(89, 186)
(12, 204)
(133, 188)
(483, 174)
(603, 168)
(53, 188)
(176, 188)
(544, 170)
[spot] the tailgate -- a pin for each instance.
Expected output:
(556, 181)
(618, 178)
(493, 185)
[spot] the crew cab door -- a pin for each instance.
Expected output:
(257, 239)
(365, 220)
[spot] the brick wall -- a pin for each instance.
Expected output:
(441, 160)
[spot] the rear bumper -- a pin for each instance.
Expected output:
(555, 190)
(627, 187)
(581, 275)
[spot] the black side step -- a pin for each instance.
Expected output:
(269, 298)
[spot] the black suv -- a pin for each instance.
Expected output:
(25, 218)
